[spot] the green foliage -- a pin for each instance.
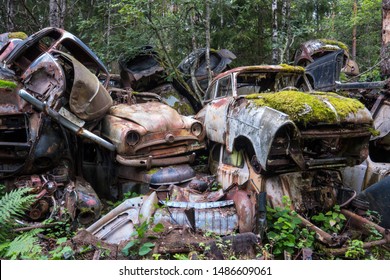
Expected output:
(136, 246)
(285, 232)
(331, 221)
(61, 251)
(2, 190)
(355, 249)
(13, 205)
(60, 229)
(7, 84)
(182, 257)
(24, 246)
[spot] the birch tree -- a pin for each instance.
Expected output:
(57, 13)
(275, 50)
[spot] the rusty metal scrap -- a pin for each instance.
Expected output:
(221, 221)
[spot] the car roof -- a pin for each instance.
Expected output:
(263, 68)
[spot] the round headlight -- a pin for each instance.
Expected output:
(196, 129)
(132, 138)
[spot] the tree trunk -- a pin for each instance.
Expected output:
(57, 13)
(260, 32)
(286, 14)
(385, 50)
(354, 30)
(10, 15)
(194, 82)
(275, 50)
(209, 74)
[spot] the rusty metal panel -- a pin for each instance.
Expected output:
(362, 176)
(45, 79)
(197, 205)
(220, 221)
(118, 224)
(216, 119)
(173, 174)
(151, 129)
(307, 190)
(382, 124)
(259, 124)
(354, 176)
(153, 116)
(187, 194)
(89, 100)
(229, 175)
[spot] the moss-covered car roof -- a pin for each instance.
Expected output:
(263, 68)
(314, 107)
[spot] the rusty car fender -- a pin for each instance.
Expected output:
(261, 125)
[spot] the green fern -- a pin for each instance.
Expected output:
(25, 246)
(2, 190)
(13, 205)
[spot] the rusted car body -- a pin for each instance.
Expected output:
(145, 72)
(249, 106)
(63, 116)
(312, 50)
(196, 62)
(36, 150)
(269, 138)
(324, 73)
(151, 134)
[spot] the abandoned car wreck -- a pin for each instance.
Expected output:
(74, 137)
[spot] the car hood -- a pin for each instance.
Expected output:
(315, 107)
(153, 116)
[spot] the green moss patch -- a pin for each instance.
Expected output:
(334, 42)
(17, 35)
(7, 84)
(307, 108)
(295, 69)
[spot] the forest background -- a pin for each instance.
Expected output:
(257, 31)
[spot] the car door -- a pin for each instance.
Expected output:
(219, 97)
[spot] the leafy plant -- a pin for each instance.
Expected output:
(331, 221)
(180, 257)
(355, 249)
(24, 246)
(13, 205)
(61, 228)
(136, 246)
(285, 232)
(61, 251)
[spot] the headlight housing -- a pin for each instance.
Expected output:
(196, 129)
(132, 138)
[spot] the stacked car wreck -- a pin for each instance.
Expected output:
(74, 135)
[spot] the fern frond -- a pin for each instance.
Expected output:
(13, 205)
(25, 246)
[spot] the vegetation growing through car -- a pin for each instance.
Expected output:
(285, 232)
(7, 84)
(307, 107)
(332, 221)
